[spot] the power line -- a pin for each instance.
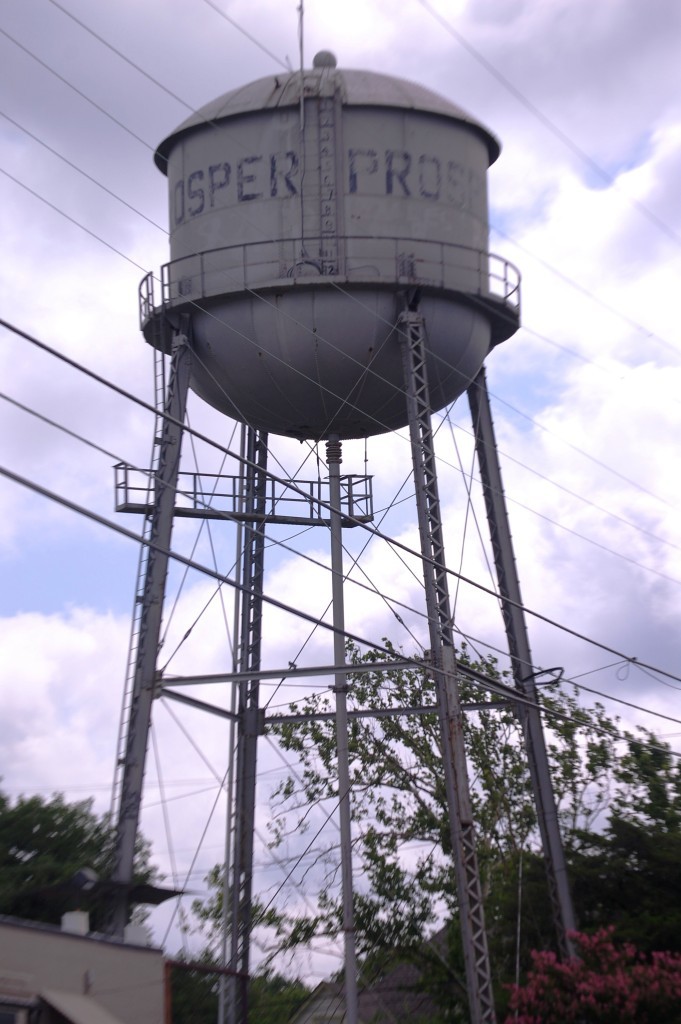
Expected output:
(591, 458)
(547, 265)
(532, 420)
(59, 210)
(119, 53)
(252, 39)
(176, 556)
(73, 506)
(586, 292)
(79, 92)
(392, 541)
(576, 448)
(79, 170)
(282, 544)
(550, 125)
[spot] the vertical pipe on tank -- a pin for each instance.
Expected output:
(340, 689)
(301, 27)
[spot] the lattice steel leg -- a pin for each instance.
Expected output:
(474, 936)
(249, 724)
(144, 680)
(521, 662)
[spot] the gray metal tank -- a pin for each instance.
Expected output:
(302, 227)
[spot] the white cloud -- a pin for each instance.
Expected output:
(61, 694)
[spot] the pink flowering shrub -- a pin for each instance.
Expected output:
(607, 984)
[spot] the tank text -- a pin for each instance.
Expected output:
(390, 172)
(252, 177)
(399, 173)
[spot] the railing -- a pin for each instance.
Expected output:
(146, 298)
(211, 495)
(365, 259)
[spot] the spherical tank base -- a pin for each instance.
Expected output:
(301, 364)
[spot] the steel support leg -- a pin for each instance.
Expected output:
(144, 679)
(226, 991)
(474, 936)
(249, 724)
(333, 458)
(521, 661)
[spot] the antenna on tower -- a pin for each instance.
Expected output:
(301, 57)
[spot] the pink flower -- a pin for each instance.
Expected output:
(607, 984)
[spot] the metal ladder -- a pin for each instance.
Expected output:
(159, 371)
(328, 186)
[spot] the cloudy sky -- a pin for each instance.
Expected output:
(586, 100)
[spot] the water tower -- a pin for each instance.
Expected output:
(329, 279)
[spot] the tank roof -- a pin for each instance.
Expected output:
(357, 89)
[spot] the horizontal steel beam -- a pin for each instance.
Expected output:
(322, 716)
(292, 672)
(271, 518)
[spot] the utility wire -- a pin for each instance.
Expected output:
(61, 212)
(275, 861)
(550, 125)
(392, 541)
(548, 266)
(79, 92)
(586, 292)
(226, 516)
(252, 39)
(282, 544)
(596, 462)
(601, 465)
(576, 448)
(207, 439)
(119, 53)
(95, 517)
(630, 481)
(79, 170)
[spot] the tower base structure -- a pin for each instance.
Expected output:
(256, 499)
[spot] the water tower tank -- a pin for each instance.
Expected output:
(306, 213)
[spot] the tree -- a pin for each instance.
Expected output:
(627, 874)
(43, 844)
(194, 995)
(398, 800)
(402, 854)
(195, 989)
(605, 984)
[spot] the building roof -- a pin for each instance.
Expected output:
(78, 1009)
(394, 998)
